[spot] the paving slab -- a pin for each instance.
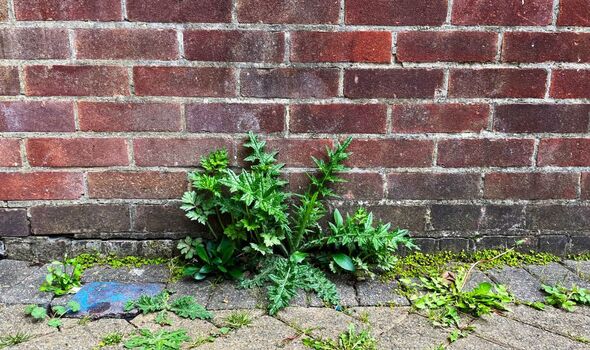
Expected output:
(201, 291)
(227, 296)
(144, 274)
(345, 288)
(26, 291)
(555, 273)
(219, 316)
(194, 328)
(472, 342)
(475, 279)
(377, 293)
(580, 268)
(519, 282)
(14, 320)
(381, 319)
(553, 320)
(321, 322)
(105, 326)
(70, 339)
(416, 332)
(13, 272)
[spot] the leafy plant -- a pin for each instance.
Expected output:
(39, 313)
(185, 306)
(161, 340)
(566, 298)
(14, 339)
(110, 339)
(63, 277)
(349, 340)
(210, 258)
(238, 319)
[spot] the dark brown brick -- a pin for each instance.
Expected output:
(530, 186)
(574, 13)
(558, 217)
(554, 244)
(485, 153)
(112, 117)
(338, 118)
(37, 116)
(184, 81)
(579, 244)
(235, 117)
(164, 218)
(440, 118)
(545, 118)
(497, 83)
(391, 153)
(570, 83)
(564, 152)
(203, 11)
(10, 152)
(13, 223)
(41, 185)
(67, 10)
(298, 152)
(446, 46)
(406, 217)
(455, 217)
(9, 83)
(433, 186)
(74, 219)
(139, 185)
(175, 152)
(502, 12)
(286, 11)
(543, 47)
(455, 244)
(136, 44)
(79, 152)
(396, 12)
(392, 83)
(502, 217)
(585, 185)
(34, 43)
(289, 83)
(234, 46)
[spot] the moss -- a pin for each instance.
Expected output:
(580, 257)
(90, 260)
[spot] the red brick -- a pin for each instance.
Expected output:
(498, 83)
(545, 118)
(235, 117)
(502, 12)
(184, 81)
(110, 117)
(298, 152)
(34, 43)
(137, 44)
(574, 13)
(359, 186)
(530, 186)
(80, 152)
(163, 219)
(176, 152)
(14, 223)
(438, 118)
(564, 152)
(289, 83)
(80, 219)
(234, 46)
(585, 185)
(67, 10)
(9, 83)
(433, 186)
(392, 83)
(398, 153)
(37, 186)
(396, 12)
(140, 185)
(287, 11)
(76, 81)
(372, 47)
(3, 10)
(570, 83)
(485, 153)
(543, 47)
(446, 46)
(338, 118)
(37, 116)
(9, 153)
(203, 11)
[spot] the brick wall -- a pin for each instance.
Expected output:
(470, 117)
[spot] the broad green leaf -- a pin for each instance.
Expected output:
(344, 261)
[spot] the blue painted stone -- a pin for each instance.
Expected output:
(107, 299)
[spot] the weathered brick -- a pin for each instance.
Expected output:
(446, 46)
(407, 217)
(338, 118)
(140, 185)
(289, 83)
(110, 117)
(558, 217)
(530, 186)
(3, 10)
(9, 83)
(13, 223)
(163, 218)
(37, 116)
(455, 244)
(175, 152)
(10, 153)
(41, 185)
(544, 118)
(74, 219)
(458, 153)
(579, 244)
(235, 117)
(203, 11)
(574, 13)
(184, 81)
(298, 152)
(570, 83)
(502, 12)
(373, 47)
(543, 47)
(497, 83)
(555, 244)
(137, 44)
(455, 217)
(76, 81)
(286, 11)
(564, 152)
(234, 46)
(440, 118)
(67, 10)
(396, 12)
(585, 185)
(392, 83)
(359, 186)
(502, 217)
(34, 43)
(390, 153)
(79, 152)
(433, 186)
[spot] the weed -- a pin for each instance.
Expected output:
(39, 313)
(185, 307)
(349, 340)
(85, 320)
(566, 298)
(161, 340)
(581, 339)
(63, 277)
(14, 339)
(110, 339)
(460, 333)
(238, 319)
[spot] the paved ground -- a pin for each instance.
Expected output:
(388, 314)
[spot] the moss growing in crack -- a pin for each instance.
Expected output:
(88, 260)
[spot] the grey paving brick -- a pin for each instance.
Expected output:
(555, 273)
(518, 281)
(376, 293)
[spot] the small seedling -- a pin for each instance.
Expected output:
(238, 319)
(110, 339)
(185, 307)
(460, 333)
(349, 340)
(57, 312)
(565, 298)
(14, 339)
(63, 277)
(161, 340)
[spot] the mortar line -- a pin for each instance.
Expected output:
(124, 10)
(342, 14)
(11, 12)
(449, 18)
(555, 13)
(234, 11)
